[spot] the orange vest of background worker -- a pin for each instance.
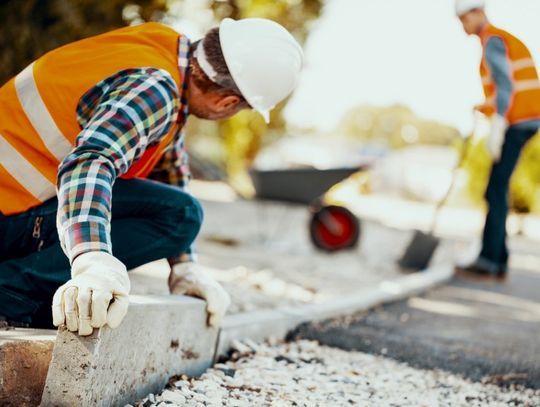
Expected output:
(80, 130)
(512, 91)
(521, 74)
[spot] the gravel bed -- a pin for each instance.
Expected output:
(304, 373)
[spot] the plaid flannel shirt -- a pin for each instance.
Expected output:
(120, 116)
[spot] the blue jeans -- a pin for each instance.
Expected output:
(149, 221)
(494, 254)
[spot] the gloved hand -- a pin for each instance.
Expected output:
(496, 137)
(487, 109)
(97, 294)
(191, 279)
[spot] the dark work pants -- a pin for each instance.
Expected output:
(494, 254)
(149, 221)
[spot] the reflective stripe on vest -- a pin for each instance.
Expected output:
(522, 86)
(522, 64)
(518, 85)
(25, 173)
(486, 81)
(36, 111)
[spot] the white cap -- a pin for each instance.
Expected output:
(264, 60)
(464, 6)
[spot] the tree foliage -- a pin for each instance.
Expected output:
(32, 27)
(244, 134)
(525, 181)
(395, 126)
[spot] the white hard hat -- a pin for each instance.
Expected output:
(464, 6)
(264, 60)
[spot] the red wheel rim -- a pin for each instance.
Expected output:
(340, 233)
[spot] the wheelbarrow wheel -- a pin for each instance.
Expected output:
(333, 228)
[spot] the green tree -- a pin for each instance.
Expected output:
(244, 134)
(32, 27)
(396, 126)
(525, 182)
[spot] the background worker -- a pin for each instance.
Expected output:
(512, 91)
(85, 132)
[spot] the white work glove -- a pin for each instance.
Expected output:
(96, 295)
(496, 137)
(191, 279)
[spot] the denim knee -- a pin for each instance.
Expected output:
(185, 217)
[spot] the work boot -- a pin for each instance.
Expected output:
(475, 272)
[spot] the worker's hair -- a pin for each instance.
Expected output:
(223, 82)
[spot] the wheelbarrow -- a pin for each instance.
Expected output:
(332, 227)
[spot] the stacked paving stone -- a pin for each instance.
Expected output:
(305, 374)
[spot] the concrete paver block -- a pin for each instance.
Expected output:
(161, 336)
(24, 359)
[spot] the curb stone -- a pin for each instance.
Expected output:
(265, 324)
(77, 381)
(161, 336)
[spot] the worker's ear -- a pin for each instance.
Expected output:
(227, 103)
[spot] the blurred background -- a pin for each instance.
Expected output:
(394, 81)
(377, 125)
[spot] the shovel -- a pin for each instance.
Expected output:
(420, 251)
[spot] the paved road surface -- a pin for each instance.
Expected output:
(483, 331)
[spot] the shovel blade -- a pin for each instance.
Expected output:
(419, 252)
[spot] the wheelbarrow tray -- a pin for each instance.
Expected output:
(300, 185)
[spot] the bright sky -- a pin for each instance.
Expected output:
(413, 52)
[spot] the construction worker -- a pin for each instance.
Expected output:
(512, 91)
(92, 165)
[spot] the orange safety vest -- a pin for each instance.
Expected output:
(525, 102)
(38, 120)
